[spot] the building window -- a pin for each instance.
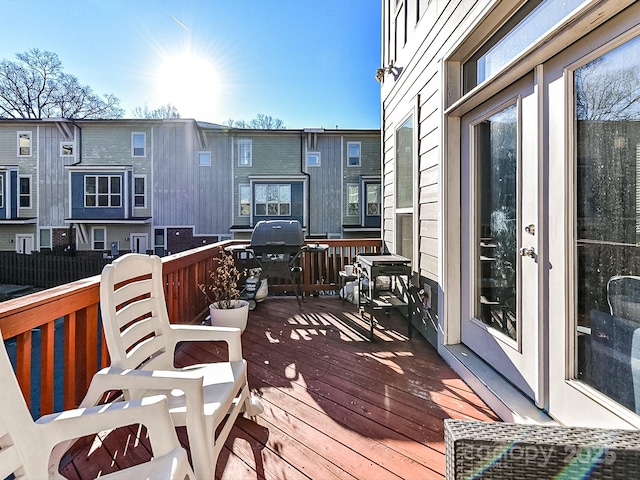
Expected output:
(1, 191)
(531, 22)
(139, 191)
(45, 238)
(24, 144)
(373, 199)
(244, 193)
(158, 240)
(273, 200)
(244, 152)
(99, 238)
(204, 159)
(353, 199)
(24, 192)
(138, 144)
(102, 191)
(404, 188)
(313, 159)
(67, 149)
(353, 154)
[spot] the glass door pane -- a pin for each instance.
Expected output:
(607, 229)
(497, 193)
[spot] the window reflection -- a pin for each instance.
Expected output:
(496, 151)
(607, 109)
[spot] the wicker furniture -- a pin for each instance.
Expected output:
(493, 450)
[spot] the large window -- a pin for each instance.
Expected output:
(244, 152)
(102, 191)
(516, 35)
(140, 191)
(24, 144)
(138, 144)
(353, 153)
(607, 223)
(24, 192)
(273, 200)
(1, 191)
(404, 188)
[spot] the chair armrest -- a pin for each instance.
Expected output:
(207, 333)
(152, 412)
(112, 378)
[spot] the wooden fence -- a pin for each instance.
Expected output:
(45, 270)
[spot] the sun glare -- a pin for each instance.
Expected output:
(189, 82)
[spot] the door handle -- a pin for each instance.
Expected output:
(528, 252)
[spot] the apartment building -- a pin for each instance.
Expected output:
(103, 187)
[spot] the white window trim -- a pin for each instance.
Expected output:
(250, 142)
(359, 164)
(23, 132)
(73, 149)
(357, 185)
(144, 135)
(248, 186)
(2, 177)
(96, 176)
(200, 164)
(319, 159)
(30, 192)
(144, 178)
(93, 238)
(266, 203)
(50, 234)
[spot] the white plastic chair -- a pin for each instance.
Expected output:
(26, 446)
(142, 343)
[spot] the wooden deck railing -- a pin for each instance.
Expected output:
(68, 348)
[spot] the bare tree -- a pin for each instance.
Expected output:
(607, 94)
(35, 86)
(165, 111)
(263, 122)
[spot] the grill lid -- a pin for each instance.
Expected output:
(277, 234)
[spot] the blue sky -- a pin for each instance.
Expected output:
(310, 63)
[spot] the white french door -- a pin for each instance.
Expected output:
(139, 242)
(499, 214)
(594, 191)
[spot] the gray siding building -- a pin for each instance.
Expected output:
(97, 187)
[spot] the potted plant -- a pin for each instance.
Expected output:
(222, 293)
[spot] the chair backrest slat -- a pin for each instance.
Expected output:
(134, 313)
(131, 291)
(137, 310)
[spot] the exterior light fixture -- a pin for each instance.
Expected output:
(389, 69)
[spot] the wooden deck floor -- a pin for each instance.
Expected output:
(336, 405)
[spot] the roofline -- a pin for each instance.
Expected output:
(201, 124)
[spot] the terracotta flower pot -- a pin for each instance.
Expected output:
(230, 317)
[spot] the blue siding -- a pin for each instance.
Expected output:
(3, 208)
(14, 190)
(78, 210)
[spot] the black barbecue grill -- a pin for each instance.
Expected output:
(276, 246)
